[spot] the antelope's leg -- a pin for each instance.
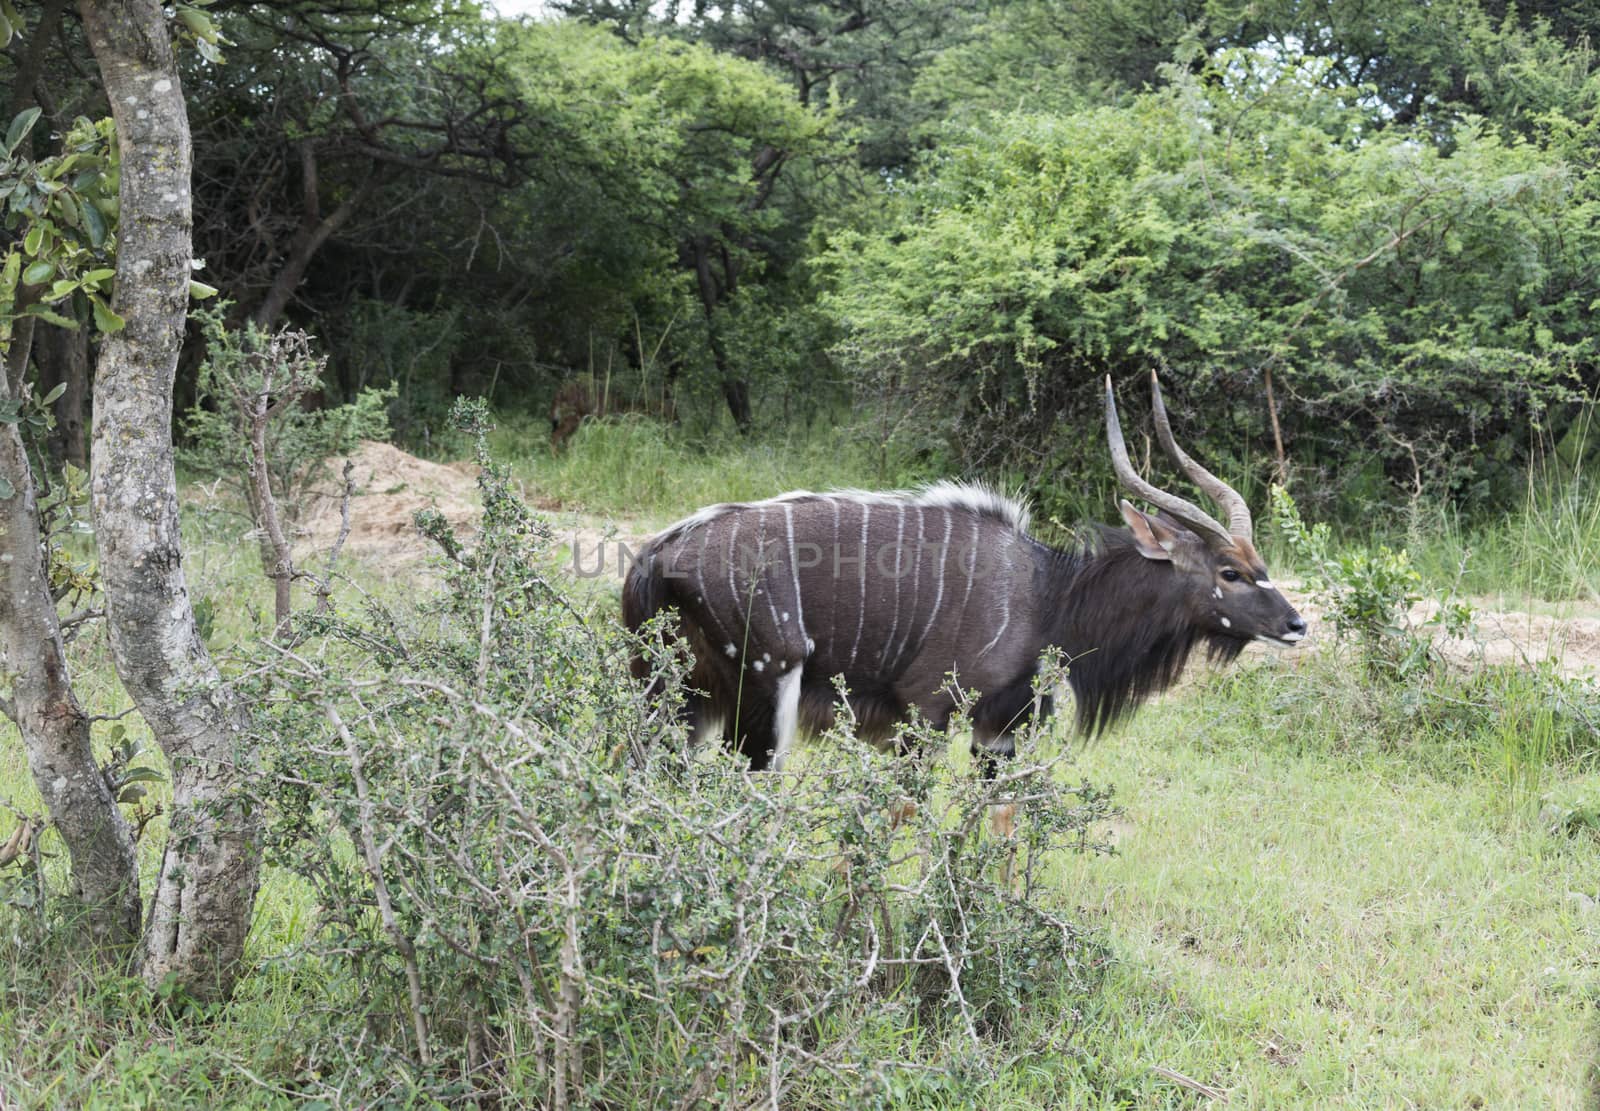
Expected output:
(749, 729)
(786, 718)
(989, 751)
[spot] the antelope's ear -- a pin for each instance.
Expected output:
(1154, 538)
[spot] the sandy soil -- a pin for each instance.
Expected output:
(392, 485)
(1501, 636)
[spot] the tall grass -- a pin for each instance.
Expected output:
(1546, 546)
(640, 466)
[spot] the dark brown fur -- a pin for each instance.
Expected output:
(1126, 608)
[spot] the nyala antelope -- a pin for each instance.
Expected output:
(897, 592)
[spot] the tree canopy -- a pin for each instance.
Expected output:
(968, 213)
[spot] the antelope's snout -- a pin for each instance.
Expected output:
(1292, 632)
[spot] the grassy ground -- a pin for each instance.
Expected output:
(1303, 924)
(1323, 896)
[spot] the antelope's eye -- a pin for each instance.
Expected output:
(1230, 575)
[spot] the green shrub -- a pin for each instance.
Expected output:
(543, 891)
(1368, 593)
(299, 438)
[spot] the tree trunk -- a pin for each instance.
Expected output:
(55, 731)
(735, 387)
(24, 92)
(314, 231)
(200, 911)
(63, 357)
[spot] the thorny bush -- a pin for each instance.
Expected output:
(543, 892)
(277, 366)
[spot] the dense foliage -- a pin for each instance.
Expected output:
(1416, 302)
(961, 216)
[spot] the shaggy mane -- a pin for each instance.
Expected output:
(1125, 629)
(944, 494)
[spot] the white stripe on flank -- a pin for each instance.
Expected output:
(761, 566)
(787, 720)
(1005, 602)
(700, 583)
(972, 568)
(944, 555)
(733, 588)
(861, 610)
(899, 550)
(794, 570)
(916, 591)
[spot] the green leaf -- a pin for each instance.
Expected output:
(38, 273)
(200, 291)
(50, 317)
(51, 397)
(24, 120)
(6, 31)
(95, 278)
(104, 319)
(33, 239)
(61, 288)
(198, 24)
(94, 223)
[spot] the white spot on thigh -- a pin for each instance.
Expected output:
(759, 666)
(783, 665)
(1226, 624)
(732, 649)
(786, 616)
(767, 656)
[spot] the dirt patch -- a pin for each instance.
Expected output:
(1516, 637)
(390, 487)
(1502, 637)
